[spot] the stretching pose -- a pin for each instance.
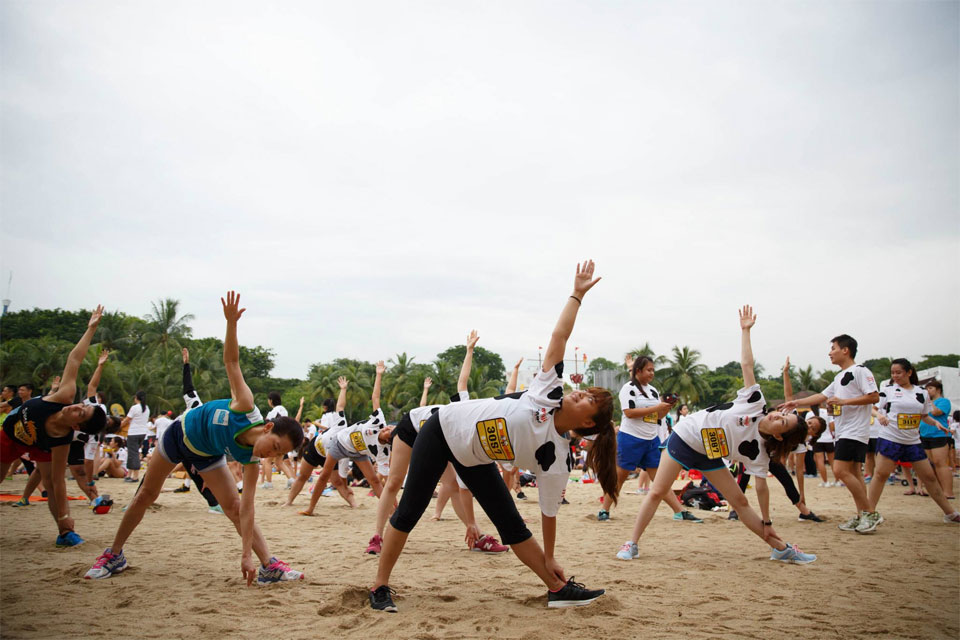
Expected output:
(200, 440)
(742, 431)
(529, 431)
(903, 406)
(43, 427)
(360, 442)
(638, 441)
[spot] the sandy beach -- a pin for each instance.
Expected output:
(692, 580)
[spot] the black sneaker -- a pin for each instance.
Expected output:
(381, 599)
(182, 489)
(733, 516)
(520, 496)
(573, 594)
(564, 501)
(811, 516)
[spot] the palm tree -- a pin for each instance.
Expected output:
(481, 385)
(646, 350)
(684, 375)
(165, 326)
(807, 378)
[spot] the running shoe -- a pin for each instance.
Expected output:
(376, 542)
(69, 539)
(812, 517)
(106, 565)
(22, 502)
(869, 522)
(381, 599)
(289, 482)
(867, 479)
(572, 594)
(628, 551)
(851, 524)
(603, 516)
(520, 496)
(489, 544)
(564, 501)
(266, 485)
(326, 493)
(686, 515)
(129, 479)
(952, 518)
(277, 571)
(182, 489)
(792, 555)
(215, 509)
(733, 516)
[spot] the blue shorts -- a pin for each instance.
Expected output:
(689, 458)
(634, 452)
(172, 447)
(900, 452)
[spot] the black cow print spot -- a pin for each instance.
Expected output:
(719, 407)
(559, 369)
(655, 394)
(920, 398)
(632, 392)
(749, 448)
(556, 393)
(376, 421)
(342, 423)
(190, 394)
(515, 395)
(633, 405)
(755, 396)
(846, 379)
(373, 449)
(886, 407)
(546, 455)
(434, 410)
(883, 394)
(194, 404)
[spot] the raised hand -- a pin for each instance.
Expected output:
(519, 362)
(472, 339)
(95, 317)
(381, 367)
(186, 355)
(629, 360)
(786, 365)
(747, 317)
(301, 402)
(427, 382)
(231, 306)
(584, 279)
(342, 382)
(103, 356)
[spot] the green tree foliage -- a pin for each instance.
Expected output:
(684, 375)
(600, 364)
(489, 360)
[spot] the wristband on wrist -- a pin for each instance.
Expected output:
(579, 301)
(63, 517)
(91, 483)
(768, 523)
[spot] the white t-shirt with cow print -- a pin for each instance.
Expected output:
(420, 415)
(635, 396)
(362, 437)
(729, 430)
(853, 422)
(518, 429)
(904, 408)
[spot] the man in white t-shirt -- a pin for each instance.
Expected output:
(849, 399)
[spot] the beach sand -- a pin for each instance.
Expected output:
(692, 580)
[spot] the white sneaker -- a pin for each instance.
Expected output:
(266, 485)
(869, 522)
(953, 517)
(289, 482)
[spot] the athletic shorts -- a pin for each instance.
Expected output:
(343, 467)
(75, 455)
(405, 431)
(90, 449)
(900, 452)
(872, 445)
(634, 452)
(11, 450)
(823, 447)
(310, 454)
(850, 450)
(689, 458)
(174, 450)
(934, 443)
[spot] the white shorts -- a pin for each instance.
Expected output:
(343, 467)
(90, 449)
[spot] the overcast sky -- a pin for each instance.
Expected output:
(381, 177)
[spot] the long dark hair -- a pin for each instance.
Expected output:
(777, 450)
(638, 366)
(289, 428)
(329, 404)
(603, 453)
(142, 399)
(904, 364)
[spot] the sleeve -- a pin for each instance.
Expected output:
(628, 398)
(546, 390)
(943, 404)
(883, 407)
(460, 396)
(550, 488)
(865, 380)
(750, 399)
(282, 411)
(831, 389)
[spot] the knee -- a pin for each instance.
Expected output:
(658, 492)
(231, 509)
(147, 495)
(393, 484)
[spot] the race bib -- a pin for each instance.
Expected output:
(221, 417)
(652, 418)
(357, 441)
(908, 420)
(494, 439)
(837, 410)
(715, 442)
(318, 445)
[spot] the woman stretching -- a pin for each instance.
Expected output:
(529, 431)
(742, 431)
(903, 406)
(206, 432)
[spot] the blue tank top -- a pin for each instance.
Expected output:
(212, 429)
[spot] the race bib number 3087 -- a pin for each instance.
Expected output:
(715, 442)
(495, 440)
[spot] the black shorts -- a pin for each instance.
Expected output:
(823, 447)
(872, 445)
(75, 455)
(405, 431)
(934, 443)
(848, 450)
(310, 454)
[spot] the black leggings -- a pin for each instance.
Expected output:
(188, 390)
(427, 463)
(780, 473)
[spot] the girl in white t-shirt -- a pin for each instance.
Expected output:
(530, 432)
(139, 416)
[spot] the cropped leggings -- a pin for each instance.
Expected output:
(427, 463)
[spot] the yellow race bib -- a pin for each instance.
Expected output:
(494, 439)
(908, 420)
(652, 418)
(318, 445)
(837, 410)
(715, 442)
(356, 439)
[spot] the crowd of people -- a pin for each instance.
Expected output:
(867, 436)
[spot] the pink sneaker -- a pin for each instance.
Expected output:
(375, 543)
(489, 544)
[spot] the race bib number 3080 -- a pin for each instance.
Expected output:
(715, 442)
(908, 420)
(494, 439)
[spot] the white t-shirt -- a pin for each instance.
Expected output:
(827, 435)
(363, 436)
(278, 410)
(729, 430)
(139, 420)
(515, 429)
(853, 423)
(903, 408)
(333, 420)
(635, 396)
(419, 415)
(311, 431)
(162, 423)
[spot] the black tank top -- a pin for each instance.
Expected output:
(27, 424)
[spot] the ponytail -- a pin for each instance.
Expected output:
(142, 399)
(603, 453)
(904, 364)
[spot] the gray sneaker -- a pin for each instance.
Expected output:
(869, 522)
(851, 524)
